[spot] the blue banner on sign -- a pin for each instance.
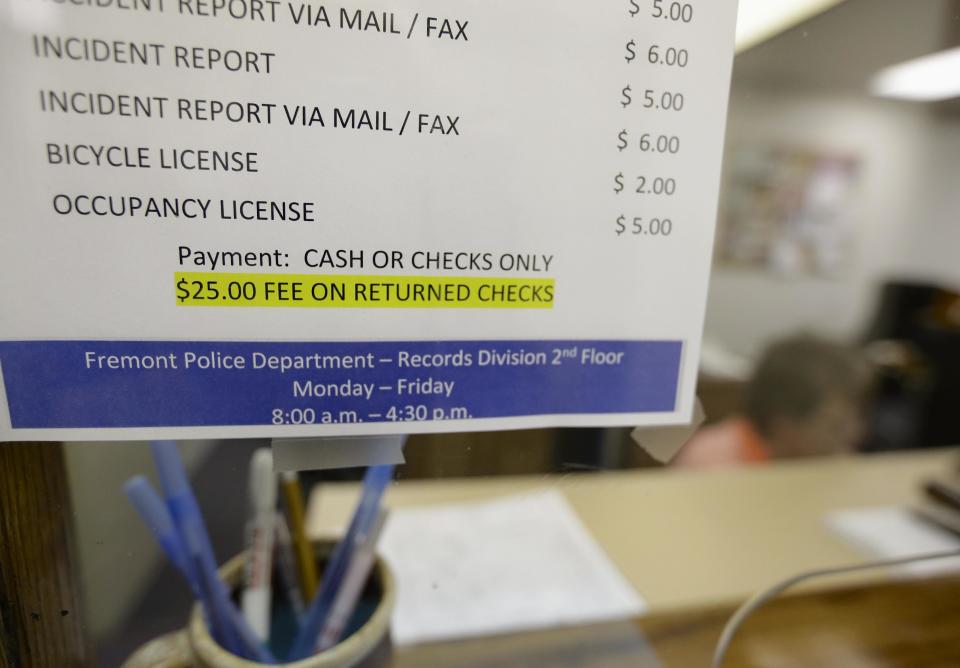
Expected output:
(103, 384)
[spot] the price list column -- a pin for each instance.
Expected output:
(659, 56)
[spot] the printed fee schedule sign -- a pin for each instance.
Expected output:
(266, 217)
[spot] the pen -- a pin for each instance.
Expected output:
(260, 530)
(157, 518)
(306, 562)
(155, 515)
(374, 484)
(356, 577)
(286, 565)
(237, 637)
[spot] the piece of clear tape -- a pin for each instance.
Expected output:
(317, 454)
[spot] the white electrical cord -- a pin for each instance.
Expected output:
(763, 597)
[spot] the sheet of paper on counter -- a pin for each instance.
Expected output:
(511, 564)
(895, 532)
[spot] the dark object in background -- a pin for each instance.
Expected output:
(915, 336)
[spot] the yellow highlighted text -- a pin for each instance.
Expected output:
(333, 291)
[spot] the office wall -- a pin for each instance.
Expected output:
(934, 249)
(905, 212)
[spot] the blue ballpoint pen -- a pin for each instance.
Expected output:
(238, 637)
(374, 484)
(156, 516)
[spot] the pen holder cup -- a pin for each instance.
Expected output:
(193, 647)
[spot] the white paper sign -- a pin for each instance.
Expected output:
(266, 217)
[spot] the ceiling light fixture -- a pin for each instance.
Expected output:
(928, 79)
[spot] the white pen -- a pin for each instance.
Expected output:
(260, 529)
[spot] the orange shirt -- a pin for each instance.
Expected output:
(732, 442)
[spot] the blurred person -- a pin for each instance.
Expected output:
(805, 399)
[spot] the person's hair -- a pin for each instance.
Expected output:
(797, 374)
